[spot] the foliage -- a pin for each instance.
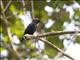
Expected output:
(16, 26)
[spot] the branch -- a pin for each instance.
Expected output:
(53, 46)
(14, 51)
(51, 34)
(23, 2)
(49, 43)
(7, 6)
(32, 9)
(58, 49)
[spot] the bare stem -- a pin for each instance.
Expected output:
(7, 5)
(51, 34)
(32, 5)
(23, 2)
(58, 49)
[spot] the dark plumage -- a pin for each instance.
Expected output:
(31, 27)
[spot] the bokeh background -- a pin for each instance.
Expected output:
(54, 15)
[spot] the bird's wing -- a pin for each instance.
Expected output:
(30, 29)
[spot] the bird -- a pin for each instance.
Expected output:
(31, 28)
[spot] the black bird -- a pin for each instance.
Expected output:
(31, 27)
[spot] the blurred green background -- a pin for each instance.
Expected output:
(49, 12)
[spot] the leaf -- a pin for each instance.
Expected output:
(17, 27)
(78, 39)
(1, 29)
(60, 16)
(57, 26)
(52, 51)
(12, 8)
(6, 39)
(77, 12)
(1, 49)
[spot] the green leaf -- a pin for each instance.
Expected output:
(77, 12)
(52, 51)
(12, 8)
(78, 39)
(1, 29)
(57, 26)
(1, 49)
(60, 16)
(6, 39)
(17, 27)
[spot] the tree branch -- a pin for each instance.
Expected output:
(58, 49)
(51, 34)
(14, 51)
(32, 5)
(7, 6)
(49, 43)
(53, 46)
(23, 2)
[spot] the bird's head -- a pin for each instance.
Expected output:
(36, 20)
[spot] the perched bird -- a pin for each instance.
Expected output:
(31, 27)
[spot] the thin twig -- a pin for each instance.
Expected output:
(7, 5)
(32, 5)
(6, 46)
(51, 34)
(23, 2)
